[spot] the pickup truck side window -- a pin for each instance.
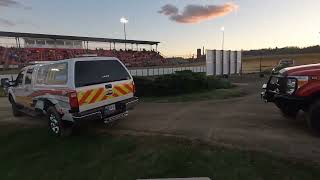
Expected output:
(54, 74)
(19, 79)
(28, 79)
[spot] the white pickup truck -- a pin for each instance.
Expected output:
(73, 90)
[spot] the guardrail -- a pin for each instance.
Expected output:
(165, 71)
(168, 70)
(247, 70)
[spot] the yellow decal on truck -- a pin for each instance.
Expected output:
(100, 94)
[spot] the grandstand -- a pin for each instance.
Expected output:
(31, 47)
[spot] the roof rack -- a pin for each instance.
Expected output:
(40, 62)
(87, 55)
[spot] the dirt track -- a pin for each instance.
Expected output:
(244, 122)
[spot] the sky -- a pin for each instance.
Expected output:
(181, 26)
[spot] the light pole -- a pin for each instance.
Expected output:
(222, 30)
(124, 21)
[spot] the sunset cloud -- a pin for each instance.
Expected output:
(197, 13)
(13, 3)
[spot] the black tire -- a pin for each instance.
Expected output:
(15, 109)
(57, 126)
(313, 117)
(289, 112)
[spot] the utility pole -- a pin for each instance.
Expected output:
(124, 21)
(222, 29)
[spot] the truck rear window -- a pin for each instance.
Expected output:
(96, 72)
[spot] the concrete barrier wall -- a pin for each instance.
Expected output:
(165, 71)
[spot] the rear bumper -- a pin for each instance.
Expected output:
(122, 109)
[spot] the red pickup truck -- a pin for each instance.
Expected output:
(294, 89)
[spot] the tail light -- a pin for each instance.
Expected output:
(73, 101)
(133, 87)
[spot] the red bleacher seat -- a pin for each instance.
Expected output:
(20, 56)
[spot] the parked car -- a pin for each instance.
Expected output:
(284, 63)
(294, 89)
(74, 90)
(4, 84)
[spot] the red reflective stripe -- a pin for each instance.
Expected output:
(105, 97)
(120, 90)
(128, 87)
(96, 95)
(84, 97)
(62, 92)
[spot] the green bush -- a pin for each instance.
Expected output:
(182, 82)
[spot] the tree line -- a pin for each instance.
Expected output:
(282, 51)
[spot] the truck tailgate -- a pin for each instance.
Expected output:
(91, 97)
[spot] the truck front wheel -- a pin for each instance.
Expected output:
(15, 109)
(314, 117)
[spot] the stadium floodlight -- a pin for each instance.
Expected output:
(124, 21)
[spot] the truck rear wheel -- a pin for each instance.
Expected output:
(314, 117)
(57, 126)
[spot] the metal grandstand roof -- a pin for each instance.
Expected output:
(78, 38)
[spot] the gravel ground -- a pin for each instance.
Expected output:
(246, 123)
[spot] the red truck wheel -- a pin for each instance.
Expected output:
(15, 109)
(289, 113)
(314, 117)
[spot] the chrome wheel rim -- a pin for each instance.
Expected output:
(54, 124)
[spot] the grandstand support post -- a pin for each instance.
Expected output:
(156, 47)
(110, 45)
(19, 43)
(137, 47)
(16, 41)
(87, 46)
(131, 46)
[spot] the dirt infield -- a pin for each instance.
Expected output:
(252, 64)
(245, 123)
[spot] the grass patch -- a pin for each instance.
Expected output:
(198, 96)
(2, 94)
(9, 71)
(33, 154)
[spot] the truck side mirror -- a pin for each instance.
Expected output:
(12, 83)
